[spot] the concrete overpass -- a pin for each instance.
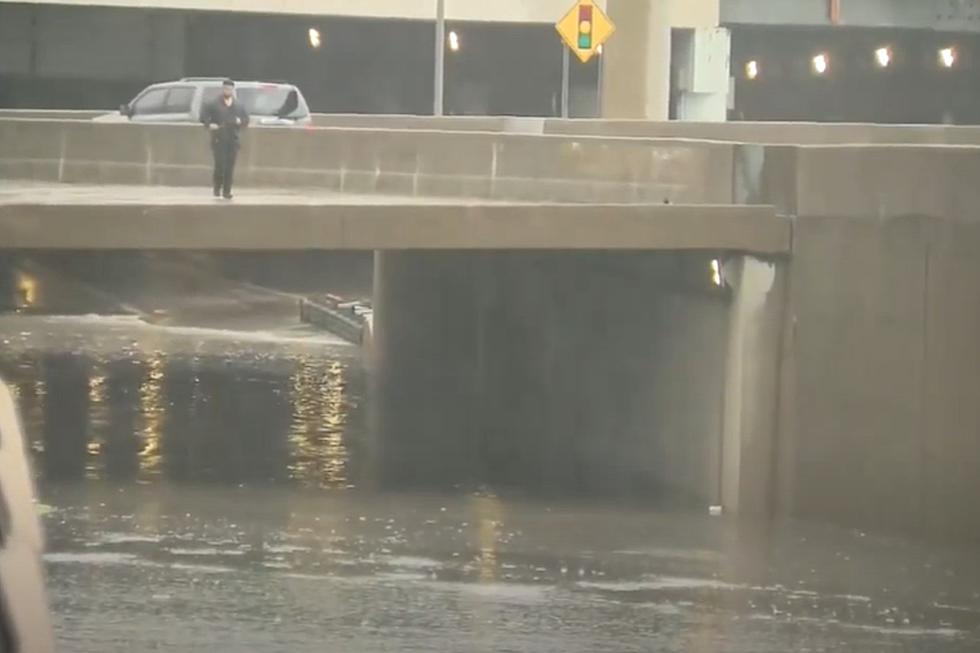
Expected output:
(47, 216)
(829, 378)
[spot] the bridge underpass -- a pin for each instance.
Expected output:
(875, 347)
(583, 346)
(600, 373)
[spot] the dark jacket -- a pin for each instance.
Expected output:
(222, 115)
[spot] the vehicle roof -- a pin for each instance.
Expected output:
(218, 81)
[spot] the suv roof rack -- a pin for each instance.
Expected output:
(203, 79)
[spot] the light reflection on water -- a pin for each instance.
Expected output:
(98, 415)
(176, 431)
(319, 455)
(189, 417)
(152, 410)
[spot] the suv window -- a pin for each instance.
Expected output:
(210, 95)
(179, 99)
(265, 100)
(150, 102)
(272, 100)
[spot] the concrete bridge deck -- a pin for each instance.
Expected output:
(65, 216)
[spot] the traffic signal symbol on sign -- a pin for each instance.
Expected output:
(585, 28)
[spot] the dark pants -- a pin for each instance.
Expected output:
(225, 152)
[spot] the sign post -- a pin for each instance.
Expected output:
(565, 81)
(440, 72)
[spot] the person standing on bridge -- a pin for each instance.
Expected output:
(224, 118)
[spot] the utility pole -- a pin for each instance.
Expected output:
(440, 71)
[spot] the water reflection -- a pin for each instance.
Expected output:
(151, 410)
(489, 514)
(19, 289)
(508, 573)
(189, 417)
(320, 405)
(26, 289)
(119, 428)
(98, 415)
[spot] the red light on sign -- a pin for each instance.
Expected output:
(585, 27)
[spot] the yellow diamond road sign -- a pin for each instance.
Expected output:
(585, 28)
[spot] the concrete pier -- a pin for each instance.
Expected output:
(601, 371)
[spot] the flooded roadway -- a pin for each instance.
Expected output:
(212, 489)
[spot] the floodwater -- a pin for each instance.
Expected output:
(213, 489)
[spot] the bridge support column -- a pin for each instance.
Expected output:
(426, 367)
(652, 38)
(752, 384)
(636, 63)
(594, 372)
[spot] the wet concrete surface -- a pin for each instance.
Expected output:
(30, 192)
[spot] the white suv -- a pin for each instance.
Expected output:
(267, 103)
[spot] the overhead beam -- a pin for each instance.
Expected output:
(333, 225)
(940, 15)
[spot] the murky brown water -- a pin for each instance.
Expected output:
(212, 491)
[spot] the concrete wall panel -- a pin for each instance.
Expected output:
(945, 15)
(888, 181)
(544, 11)
(619, 387)
(778, 12)
(686, 395)
(857, 312)
(788, 133)
(412, 162)
(15, 39)
(951, 438)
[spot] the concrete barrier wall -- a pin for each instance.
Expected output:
(442, 123)
(406, 162)
(772, 132)
(950, 454)
(785, 133)
(880, 423)
(50, 114)
(887, 181)
(803, 133)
